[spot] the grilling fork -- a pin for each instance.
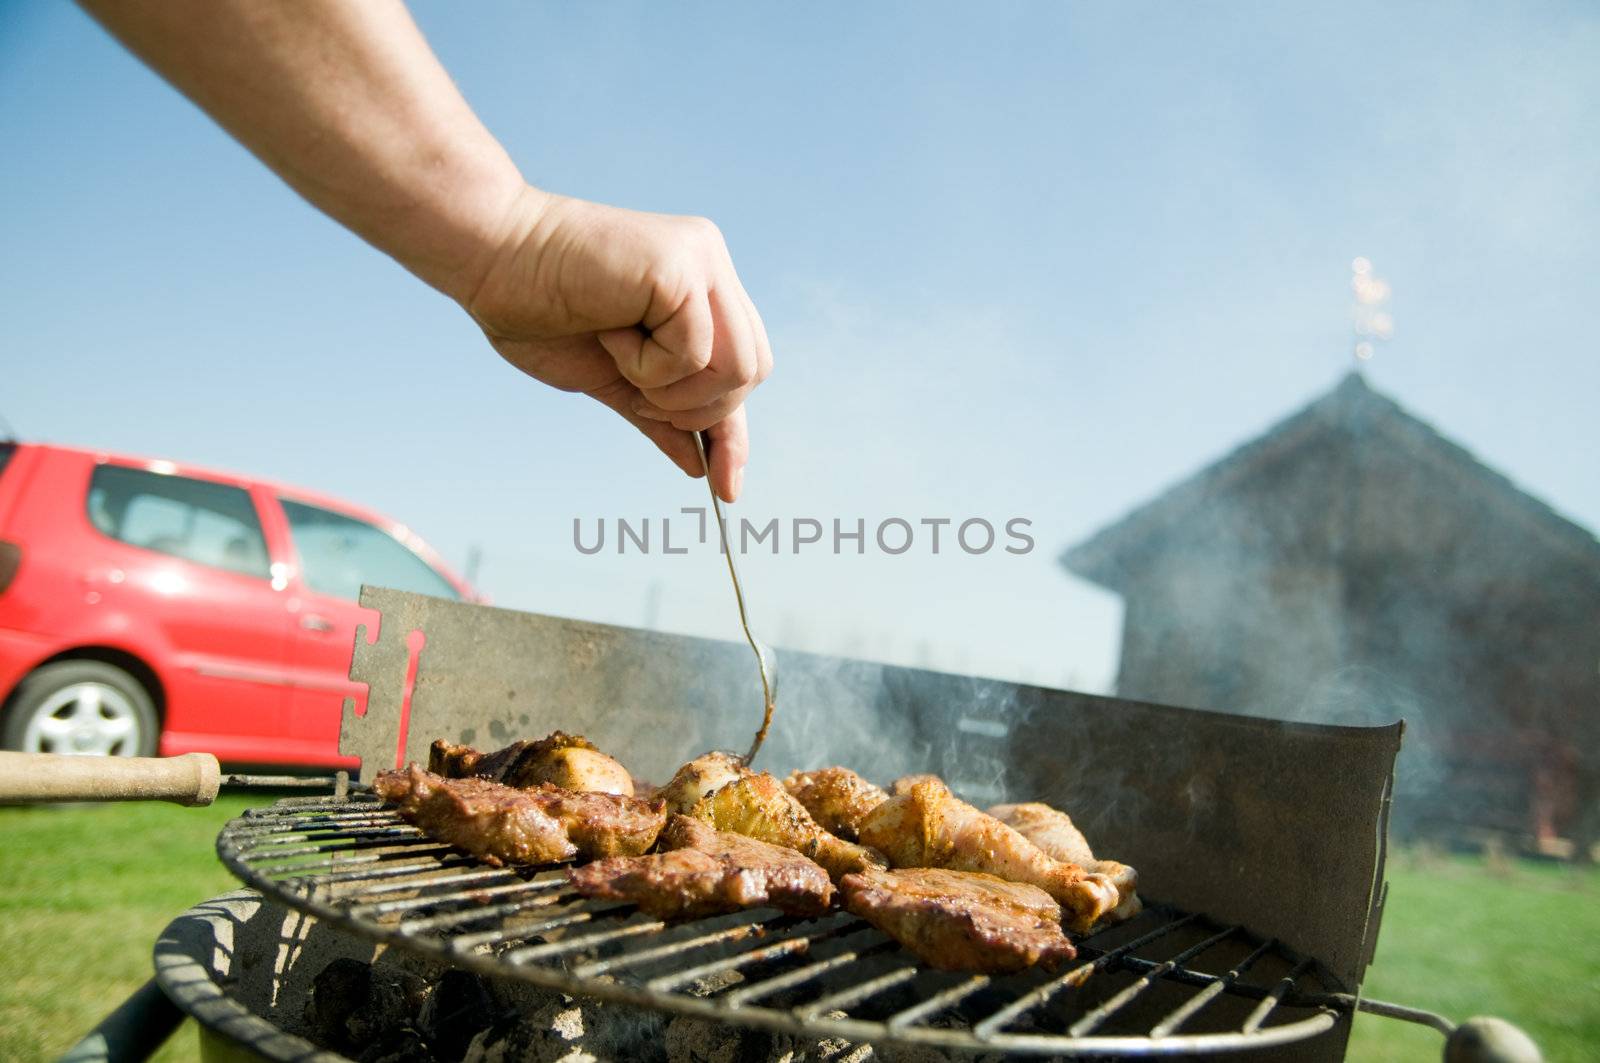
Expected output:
(766, 660)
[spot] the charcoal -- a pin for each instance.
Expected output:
(400, 1045)
(459, 1009)
(354, 1006)
(339, 990)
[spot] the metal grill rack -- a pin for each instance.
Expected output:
(1165, 982)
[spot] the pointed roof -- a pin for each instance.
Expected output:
(1351, 409)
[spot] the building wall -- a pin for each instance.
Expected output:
(1349, 580)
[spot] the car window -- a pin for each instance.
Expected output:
(208, 523)
(339, 553)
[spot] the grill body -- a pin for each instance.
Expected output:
(1261, 824)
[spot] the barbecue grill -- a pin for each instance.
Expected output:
(1262, 840)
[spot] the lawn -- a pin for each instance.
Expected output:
(85, 890)
(1465, 937)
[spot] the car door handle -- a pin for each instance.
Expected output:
(313, 622)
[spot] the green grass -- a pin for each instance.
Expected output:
(1463, 937)
(85, 890)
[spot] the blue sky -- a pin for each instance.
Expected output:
(1039, 261)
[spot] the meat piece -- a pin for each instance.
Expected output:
(602, 824)
(1052, 831)
(504, 824)
(569, 761)
(498, 824)
(837, 798)
(1059, 838)
(703, 871)
(699, 778)
(904, 784)
(928, 826)
(961, 920)
(757, 805)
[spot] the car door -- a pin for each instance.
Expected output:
(336, 553)
(187, 562)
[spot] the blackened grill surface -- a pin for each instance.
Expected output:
(1165, 982)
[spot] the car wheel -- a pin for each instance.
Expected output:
(82, 707)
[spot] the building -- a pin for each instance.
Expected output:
(1353, 565)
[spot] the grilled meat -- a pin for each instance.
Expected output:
(960, 920)
(837, 798)
(703, 871)
(1059, 838)
(602, 824)
(904, 784)
(928, 826)
(700, 777)
(1052, 831)
(758, 806)
(568, 761)
(498, 824)
(504, 824)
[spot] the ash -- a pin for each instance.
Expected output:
(396, 1012)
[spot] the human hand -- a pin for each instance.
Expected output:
(643, 312)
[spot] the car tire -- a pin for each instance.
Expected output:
(81, 707)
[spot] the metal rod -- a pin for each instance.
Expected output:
(1073, 978)
(782, 947)
(277, 843)
(473, 873)
(1185, 1011)
(630, 959)
(769, 684)
(504, 934)
(373, 866)
(842, 999)
(1346, 1001)
(406, 904)
(296, 869)
(556, 948)
(1270, 1001)
(938, 1002)
(1091, 1021)
(809, 973)
(281, 782)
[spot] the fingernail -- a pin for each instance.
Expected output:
(738, 483)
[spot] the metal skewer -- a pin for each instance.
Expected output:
(764, 657)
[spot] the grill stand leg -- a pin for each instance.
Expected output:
(132, 1033)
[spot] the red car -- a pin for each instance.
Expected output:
(150, 607)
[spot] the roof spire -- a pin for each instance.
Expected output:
(1370, 322)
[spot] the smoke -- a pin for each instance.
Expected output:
(1353, 567)
(1363, 696)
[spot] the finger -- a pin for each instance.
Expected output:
(692, 420)
(735, 358)
(763, 345)
(675, 443)
(667, 351)
(730, 451)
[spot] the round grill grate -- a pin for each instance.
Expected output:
(1165, 982)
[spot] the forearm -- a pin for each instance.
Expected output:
(345, 101)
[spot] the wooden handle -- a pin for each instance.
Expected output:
(36, 778)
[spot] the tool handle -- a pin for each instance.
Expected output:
(37, 778)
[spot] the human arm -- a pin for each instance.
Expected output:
(346, 102)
